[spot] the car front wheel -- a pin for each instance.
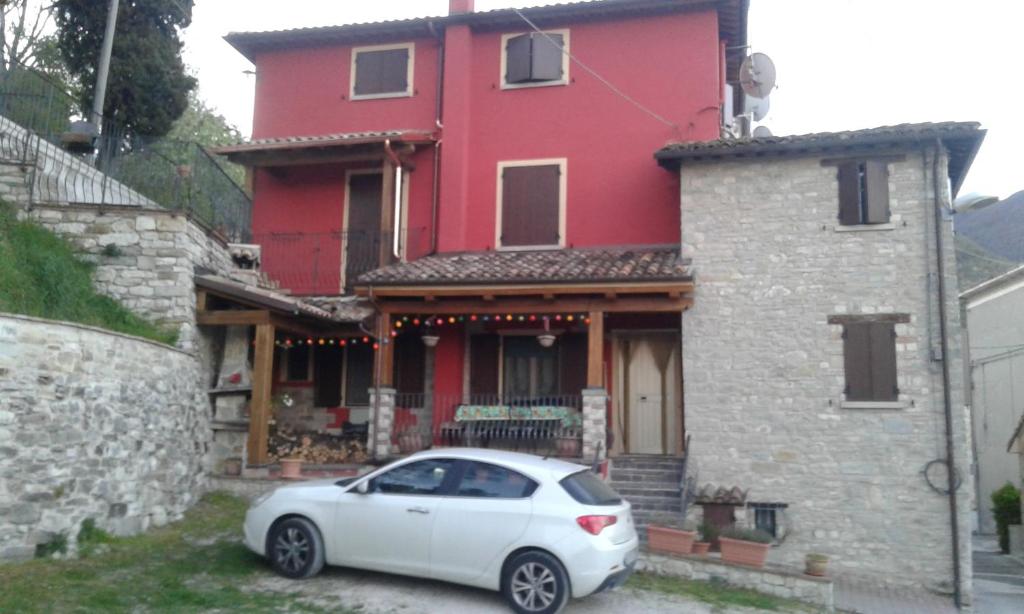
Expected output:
(535, 583)
(296, 548)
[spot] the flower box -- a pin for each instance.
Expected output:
(743, 552)
(672, 541)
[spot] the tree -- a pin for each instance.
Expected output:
(148, 87)
(202, 125)
(23, 24)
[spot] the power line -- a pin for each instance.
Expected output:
(601, 79)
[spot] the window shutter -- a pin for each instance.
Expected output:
(327, 365)
(877, 192)
(857, 361)
(573, 359)
(483, 360)
(546, 59)
(358, 374)
(849, 194)
(409, 364)
(883, 362)
(517, 59)
(530, 205)
(382, 72)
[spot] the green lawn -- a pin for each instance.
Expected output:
(42, 276)
(194, 565)
(717, 593)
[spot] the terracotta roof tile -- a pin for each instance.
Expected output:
(610, 264)
(325, 140)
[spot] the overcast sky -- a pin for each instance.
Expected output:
(842, 64)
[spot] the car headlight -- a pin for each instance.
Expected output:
(258, 501)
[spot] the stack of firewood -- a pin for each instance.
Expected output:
(313, 448)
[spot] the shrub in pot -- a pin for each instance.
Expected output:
(815, 564)
(1006, 512)
(744, 546)
(707, 533)
(670, 537)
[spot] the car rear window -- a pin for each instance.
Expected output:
(588, 489)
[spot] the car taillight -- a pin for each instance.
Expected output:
(595, 524)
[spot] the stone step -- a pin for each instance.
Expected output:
(647, 462)
(645, 475)
(632, 489)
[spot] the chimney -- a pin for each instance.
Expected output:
(456, 7)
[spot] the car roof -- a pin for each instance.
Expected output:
(526, 463)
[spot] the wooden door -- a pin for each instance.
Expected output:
(653, 394)
(363, 232)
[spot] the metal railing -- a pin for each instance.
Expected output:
(115, 169)
(317, 263)
(546, 424)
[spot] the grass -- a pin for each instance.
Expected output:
(194, 565)
(42, 276)
(717, 594)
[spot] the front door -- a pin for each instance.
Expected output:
(651, 395)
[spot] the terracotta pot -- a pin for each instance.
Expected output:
(743, 552)
(291, 468)
(673, 541)
(815, 565)
(701, 547)
(233, 466)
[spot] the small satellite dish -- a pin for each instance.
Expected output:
(758, 107)
(757, 75)
(761, 132)
(973, 201)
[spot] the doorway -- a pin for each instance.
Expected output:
(650, 420)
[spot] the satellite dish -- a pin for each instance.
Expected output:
(757, 75)
(973, 201)
(761, 132)
(758, 107)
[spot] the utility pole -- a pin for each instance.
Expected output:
(103, 70)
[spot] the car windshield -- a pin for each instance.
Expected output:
(588, 489)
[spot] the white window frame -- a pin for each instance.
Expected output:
(504, 61)
(563, 164)
(408, 78)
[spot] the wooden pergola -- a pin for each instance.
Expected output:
(221, 302)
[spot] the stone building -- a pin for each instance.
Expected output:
(813, 353)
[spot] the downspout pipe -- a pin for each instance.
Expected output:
(438, 110)
(947, 402)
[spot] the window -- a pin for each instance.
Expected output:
(531, 204)
(767, 517)
(424, 477)
(383, 71)
(530, 370)
(863, 192)
(493, 482)
(534, 59)
(297, 364)
(869, 357)
(588, 489)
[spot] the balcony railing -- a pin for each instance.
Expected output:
(544, 424)
(320, 263)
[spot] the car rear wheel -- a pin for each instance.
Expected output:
(535, 583)
(296, 548)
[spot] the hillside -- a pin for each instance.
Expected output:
(40, 275)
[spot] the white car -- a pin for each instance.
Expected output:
(538, 529)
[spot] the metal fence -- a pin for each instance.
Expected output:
(114, 169)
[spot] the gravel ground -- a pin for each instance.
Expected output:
(375, 593)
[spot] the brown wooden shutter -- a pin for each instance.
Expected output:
(573, 363)
(410, 364)
(358, 374)
(327, 369)
(849, 194)
(530, 205)
(363, 234)
(382, 72)
(877, 182)
(546, 57)
(483, 360)
(857, 361)
(883, 362)
(517, 59)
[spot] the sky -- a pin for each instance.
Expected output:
(842, 64)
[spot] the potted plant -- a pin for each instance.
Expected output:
(708, 533)
(291, 468)
(744, 546)
(670, 537)
(815, 564)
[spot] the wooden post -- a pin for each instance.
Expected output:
(387, 349)
(595, 350)
(259, 410)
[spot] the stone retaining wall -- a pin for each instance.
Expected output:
(97, 425)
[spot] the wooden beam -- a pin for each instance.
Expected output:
(387, 349)
(259, 409)
(655, 304)
(202, 300)
(233, 317)
(595, 350)
(542, 290)
(300, 158)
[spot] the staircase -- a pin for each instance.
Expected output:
(650, 484)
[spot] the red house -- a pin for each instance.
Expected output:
(485, 181)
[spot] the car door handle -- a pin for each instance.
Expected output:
(418, 510)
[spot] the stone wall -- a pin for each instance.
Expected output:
(97, 425)
(763, 368)
(145, 258)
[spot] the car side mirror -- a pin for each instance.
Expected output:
(363, 487)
